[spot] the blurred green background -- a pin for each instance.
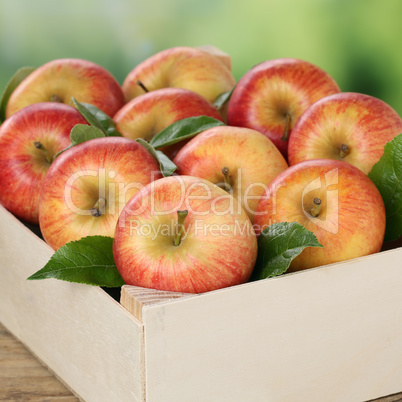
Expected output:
(356, 41)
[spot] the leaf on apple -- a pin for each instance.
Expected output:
(96, 118)
(183, 129)
(278, 245)
(387, 176)
(223, 98)
(15, 80)
(88, 260)
(81, 133)
(167, 167)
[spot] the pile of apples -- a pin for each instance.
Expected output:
(291, 148)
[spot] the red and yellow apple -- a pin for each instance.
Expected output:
(88, 185)
(220, 54)
(184, 234)
(60, 80)
(147, 115)
(180, 67)
(334, 200)
(352, 127)
(272, 96)
(29, 140)
(240, 160)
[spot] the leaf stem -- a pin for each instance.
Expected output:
(99, 208)
(140, 84)
(315, 211)
(344, 150)
(285, 135)
(181, 216)
(39, 145)
(227, 180)
(55, 98)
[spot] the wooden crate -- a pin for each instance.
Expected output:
(327, 334)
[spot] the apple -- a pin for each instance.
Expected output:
(29, 139)
(334, 200)
(87, 186)
(147, 115)
(352, 127)
(184, 234)
(241, 160)
(221, 55)
(180, 67)
(271, 97)
(60, 80)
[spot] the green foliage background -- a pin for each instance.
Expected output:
(356, 41)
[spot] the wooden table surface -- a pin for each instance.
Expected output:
(24, 378)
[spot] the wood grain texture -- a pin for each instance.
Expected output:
(79, 331)
(328, 334)
(23, 377)
(135, 298)
(390, 398)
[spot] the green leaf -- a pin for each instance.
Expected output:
(15, 80)
(166, 166)
(183, 129)
(278, 245)
(81, 133)
(97, 118)
(387, 176)
(88, 260)
(88, 115)
(223, 98)
(107, 123)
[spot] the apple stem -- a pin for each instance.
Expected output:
(181, 216)
(226, 178)
(99, 207)
(55, 98)
(315, 211)
(139, 83)
(344, 150)
(39, 145)
(285, 135)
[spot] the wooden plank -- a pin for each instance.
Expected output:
(23, 377)
(87, 338)
(17, 362)
(135, 298)
(328, 334)
(390, 398)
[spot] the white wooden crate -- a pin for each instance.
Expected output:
(327, 334)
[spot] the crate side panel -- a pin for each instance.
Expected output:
(91, 342)
(332, 333)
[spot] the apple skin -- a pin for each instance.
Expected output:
(219, 54)
(23, 166)
(212, 255)
(351, 222)
(362, 122)
(252, 159)
(113, 168)
(148, 114)
(66, 78)
(274, 88)
(180, 67)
